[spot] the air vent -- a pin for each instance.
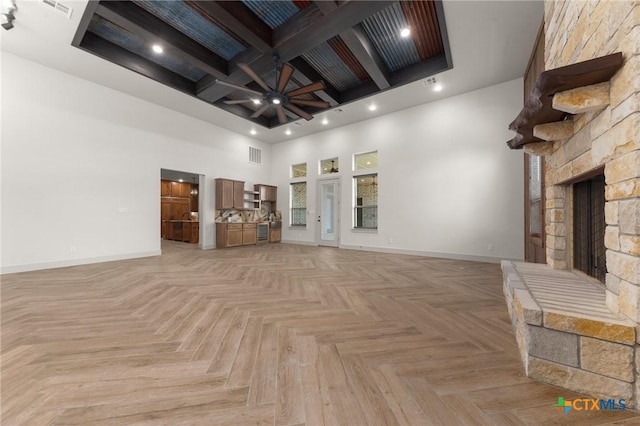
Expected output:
(58, 7)
(429, 82)
(255, 155)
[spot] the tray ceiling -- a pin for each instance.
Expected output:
(354, 47)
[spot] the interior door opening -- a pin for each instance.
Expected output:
(181, 202)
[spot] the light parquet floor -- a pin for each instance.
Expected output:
(269, 335)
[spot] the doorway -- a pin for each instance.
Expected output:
(181, 202)
(328, 230)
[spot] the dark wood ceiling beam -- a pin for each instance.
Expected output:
(424, 69)
(304, 74)
(302, 32)
(238, 19)
(361, 48)
(122, 57)
(145, 25)
(244, 113)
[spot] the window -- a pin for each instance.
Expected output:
(298, 204)
(299, 170)
(366, 201)
(367, 160)
(329, 166)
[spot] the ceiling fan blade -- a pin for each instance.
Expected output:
(238, 101)
(259, 112)
(318, 85)
(317, 104)
(241, 88)
(285, 75)
(254, 76)
(298, 111)
(282, 118)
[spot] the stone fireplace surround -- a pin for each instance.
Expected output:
(572, 331)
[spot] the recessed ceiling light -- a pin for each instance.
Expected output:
(437, 87)
(276, 101)
(325, 121)
(253, 131)
(157, 48)
(405, 32)
(373, 107)
(287, 132)
(256, 101)
(368, 162)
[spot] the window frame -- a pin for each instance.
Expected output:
(358, 175)
(298, 181)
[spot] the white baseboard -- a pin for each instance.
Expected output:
(300, 243)
(455, 256)
(75, 262)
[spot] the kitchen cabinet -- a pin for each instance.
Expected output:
(165, 188)
(267, 192)
(179, 209)
(181, 230)
(235, 234)
(249, 234)
(275, 232)
(229, 194)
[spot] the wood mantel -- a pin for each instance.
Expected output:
(539, 109)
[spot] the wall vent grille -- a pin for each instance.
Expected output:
(60, 8)
(255, 155)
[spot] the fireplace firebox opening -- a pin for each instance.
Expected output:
(589, 253)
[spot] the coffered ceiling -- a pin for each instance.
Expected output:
(210, 49)
(341, 43)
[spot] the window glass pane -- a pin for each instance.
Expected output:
(298, 204)
(366, 202)
(535, 195)
(299, 170)
(368, 160)
(329, 166)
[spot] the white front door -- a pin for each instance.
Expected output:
(328, 233)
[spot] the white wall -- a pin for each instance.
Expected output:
(75, 154)
(448, 184)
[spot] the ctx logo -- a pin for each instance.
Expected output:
(590, 404)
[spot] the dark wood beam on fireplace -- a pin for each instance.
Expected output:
(143, 24)
(538, 109)
(302, 32)
(361, 47)
(237, 19)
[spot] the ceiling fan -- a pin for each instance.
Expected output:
(277, 97)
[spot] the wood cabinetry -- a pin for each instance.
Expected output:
(181, 230)
(165, 188)
(249, 234)
(235, 234)
(229, 194)
(267, 192)
(275, 232)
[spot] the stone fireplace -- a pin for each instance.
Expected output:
(576, 318)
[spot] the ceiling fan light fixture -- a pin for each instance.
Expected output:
(275, 101)
(405, 32)
(157, 48)
(256, 101)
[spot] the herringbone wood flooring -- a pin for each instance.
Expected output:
(269, 335)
